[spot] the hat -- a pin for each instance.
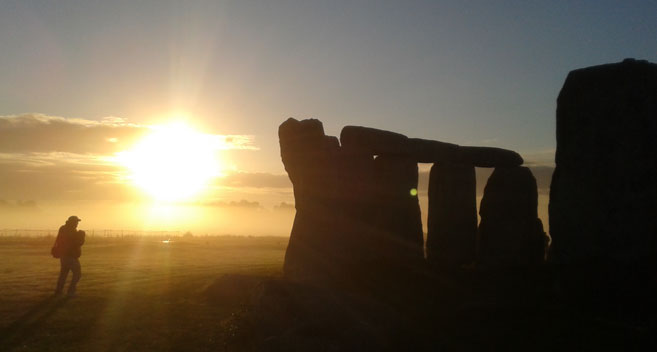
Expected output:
(73, 218)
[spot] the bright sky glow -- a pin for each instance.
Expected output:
(173, 163)
(84, 80)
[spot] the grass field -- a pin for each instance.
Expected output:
(135, 294)
(210, 294)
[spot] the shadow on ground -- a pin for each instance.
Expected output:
(464, 313)
(31, 322)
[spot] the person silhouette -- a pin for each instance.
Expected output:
(69, 240)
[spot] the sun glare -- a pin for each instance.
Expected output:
(174, 162)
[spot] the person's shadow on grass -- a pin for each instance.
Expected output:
(29, 323)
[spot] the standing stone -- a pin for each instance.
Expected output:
(398, 222)
(510, 231)
(379, 216)
(355, 208)
(310, 159)
(452, 220)
(603, 197)
(358, 217)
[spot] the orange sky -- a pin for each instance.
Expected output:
(118, 175)
(84, 85)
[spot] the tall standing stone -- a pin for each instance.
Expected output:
(510, 231)
(383, 221)
(355, 211)
(603, 197)
(310, 159)
(452, 220)
(398, 221)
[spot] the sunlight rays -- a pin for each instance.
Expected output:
(174, 162)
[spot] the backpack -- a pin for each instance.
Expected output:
(56, 250)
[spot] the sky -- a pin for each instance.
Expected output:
(83, 82)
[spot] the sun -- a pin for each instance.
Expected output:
(174, 162)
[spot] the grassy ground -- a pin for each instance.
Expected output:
(135, 294)
(141, 294)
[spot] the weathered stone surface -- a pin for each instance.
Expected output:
(355, 215)
(510, 231)
(489, 157)
(358, 214)
(452, 220)
(427, 151)
(355, 207)
(603, 197)
(398, 220)
(310, 158)
(373, 141)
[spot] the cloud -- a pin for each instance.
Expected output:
(38, 133)
(540, 158)
(234, 141)
(69, 176)
(18, 204)
(243, 204)
(50, 177)
(50, 157)
(255, 180)
(284, 206)
(43, 134)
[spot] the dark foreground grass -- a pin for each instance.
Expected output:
(136, 294)
(225, 294)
